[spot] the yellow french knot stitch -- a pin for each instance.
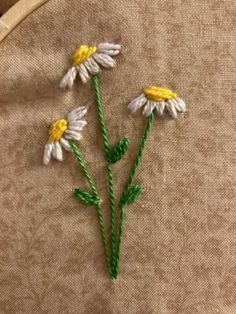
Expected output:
(159, 93)
(82, 53)
(57, 129)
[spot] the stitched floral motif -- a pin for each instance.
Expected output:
(63, 130)
(158, 98)
(86, 61)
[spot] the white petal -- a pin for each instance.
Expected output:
(148, 109)
(65, 144)
(77, 113)
(171, 109)
(137, 103)
(68, 78)
(108, 46)
(180, 105)
(91, 65)
(94, 63)
(105, 60)
(83, 73)
(110, 52)
(77, 125)
(80, 123)
(160, 106)
(47, 153)
(57, 151)
(72, 135)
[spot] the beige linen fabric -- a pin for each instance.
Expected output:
(179, 245)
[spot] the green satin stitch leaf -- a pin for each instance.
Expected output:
(118, 150)
(86, 197)
(132, 195)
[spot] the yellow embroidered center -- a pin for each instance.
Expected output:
(82, 53)
(159, 93)
(57, 129)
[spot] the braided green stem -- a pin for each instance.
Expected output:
(76, 152)
(126, 189)
(109, 167)
(100, 114)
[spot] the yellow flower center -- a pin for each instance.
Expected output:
(57, 129)
(159, 93)
(82, 53)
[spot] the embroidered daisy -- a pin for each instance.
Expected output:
(86, 61)
(63, 130)
(158, 98)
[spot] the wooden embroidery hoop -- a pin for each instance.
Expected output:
(16, 14)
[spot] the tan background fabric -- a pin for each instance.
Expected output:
(179, 248)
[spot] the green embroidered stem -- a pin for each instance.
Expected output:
(109, 167)
(101, 115)
(76, 152)
(127, 188)
(112, 217)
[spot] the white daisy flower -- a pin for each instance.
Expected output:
(86, 61)
(158, 98)
(63, 130)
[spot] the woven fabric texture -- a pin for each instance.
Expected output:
(179, 244)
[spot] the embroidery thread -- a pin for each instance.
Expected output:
(158, 98)
(152, 98)
(65, 132)
(86, 61)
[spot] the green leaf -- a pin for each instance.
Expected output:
(132, 195)
(118, 150)
(86, 197)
